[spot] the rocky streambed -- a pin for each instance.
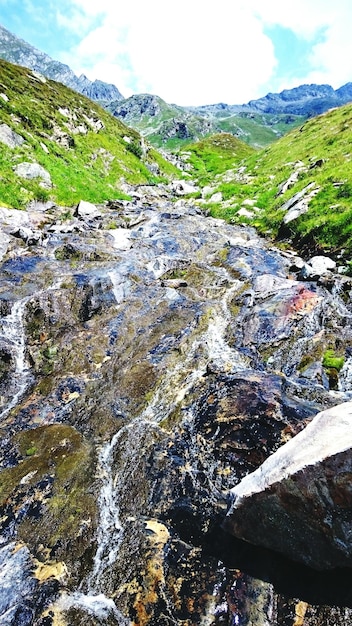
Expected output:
(150, 358)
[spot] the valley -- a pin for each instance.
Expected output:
(170, 321)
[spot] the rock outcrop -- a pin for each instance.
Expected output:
(299, 501)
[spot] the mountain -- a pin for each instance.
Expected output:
(258, 123)
(20, 52)
(60, 146)
(171, 126)
(307, 100)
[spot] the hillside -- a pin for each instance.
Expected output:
(61, 146)
(15, 50)
(299, 188)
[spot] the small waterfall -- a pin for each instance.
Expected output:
(13, 333)
(110, 525)
(219, 351)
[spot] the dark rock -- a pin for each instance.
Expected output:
(299, 501)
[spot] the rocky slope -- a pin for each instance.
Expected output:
(297, 190)
(150, 359)
(17, 51)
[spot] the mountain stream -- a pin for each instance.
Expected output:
(150, 358)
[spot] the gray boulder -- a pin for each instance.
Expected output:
(9, 137)
(87, 210)
(299, 501)
(32, 171)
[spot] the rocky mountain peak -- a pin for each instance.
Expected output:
(20, 52)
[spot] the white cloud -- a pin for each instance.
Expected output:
(193, 52)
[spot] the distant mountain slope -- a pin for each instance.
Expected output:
(171, 126)
(308, 100)
(20, 52)
(60, 146)
(305, 100)
(258, 123)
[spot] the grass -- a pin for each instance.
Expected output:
(215, 155)
(95, 159)
(320, 150)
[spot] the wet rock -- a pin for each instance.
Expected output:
(299, 501)
(32, 171)
(9, 137)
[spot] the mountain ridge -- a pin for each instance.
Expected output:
(20, 52)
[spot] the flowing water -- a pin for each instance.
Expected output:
(176, 373)
(13, 332)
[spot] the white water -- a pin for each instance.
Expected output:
(13, 332)
(98, 605)
(110, 530)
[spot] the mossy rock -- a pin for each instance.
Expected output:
(53, 478)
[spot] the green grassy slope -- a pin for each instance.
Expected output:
(214, 155)
(86, 151)
(319, 153)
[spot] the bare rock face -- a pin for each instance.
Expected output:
(299, 501)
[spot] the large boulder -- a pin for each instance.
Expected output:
(299, 501)
(31, 171)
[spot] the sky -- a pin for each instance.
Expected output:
(192, 52)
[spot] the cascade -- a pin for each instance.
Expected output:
(186, 411)
(13, 333)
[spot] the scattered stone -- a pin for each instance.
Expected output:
(44, 147)
(87, 210)
(216, 197)
(181, 187)
(320, 264)
(207, 191)
(299, 203)
(13, 218)
(9, 137)
(32, 171)
(40, 207)
(317, 163)
(243, 212)
(316, 267)
(29, 236)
